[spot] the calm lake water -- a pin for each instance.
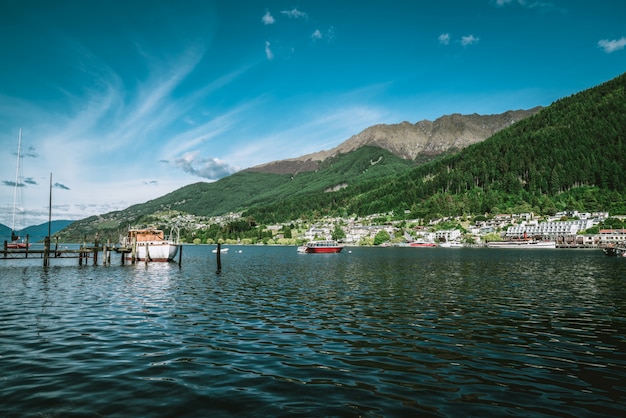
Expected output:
(372, 332)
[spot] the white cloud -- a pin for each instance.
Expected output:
(613, 45)
(268, 51)
(294, 13)
(444, 38)
(317, 34)
(209, 168)
(541, 5)
(268, 19)
(469, 40)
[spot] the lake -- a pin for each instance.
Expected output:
(372, 332)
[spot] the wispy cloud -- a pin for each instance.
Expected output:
(268, 51)
(469, 40)
(268, 19)
(60, 186)
(328, 34)
(294, 13)
(544, 6)
(446, 39)
(610, 46)
(208, 168)
(24, 183)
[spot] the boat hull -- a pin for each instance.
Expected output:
(522, 244)
(19, 245)
(323, 250)
(159, 251)
(321, 247)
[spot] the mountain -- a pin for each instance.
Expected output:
(565, 156)
(36, 233)
(420, 142)
(246, 189)
(568, 156)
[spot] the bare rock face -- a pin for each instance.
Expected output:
(410, 141)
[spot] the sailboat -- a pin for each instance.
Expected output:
(15, 239)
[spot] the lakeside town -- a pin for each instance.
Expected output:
(568, 229)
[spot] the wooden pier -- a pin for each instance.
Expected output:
(83, 253)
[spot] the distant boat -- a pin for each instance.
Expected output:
(522, 244)
(222, 250)
(321, 246)
(150, 244)
(420, 244)
(613, 251)
(16, 241)
(451, 244)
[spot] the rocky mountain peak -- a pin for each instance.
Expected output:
(410, 141)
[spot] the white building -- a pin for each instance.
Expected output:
(550, 230)
(448, 235)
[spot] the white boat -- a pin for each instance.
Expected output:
(321, 246)
(150, 244)
(222, 250)
(522, 244)
(451, 244)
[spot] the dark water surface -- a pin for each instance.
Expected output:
(372, 332)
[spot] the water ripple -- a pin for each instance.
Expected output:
(378, 332)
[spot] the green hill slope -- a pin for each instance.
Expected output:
(246, 189)
(568, 156)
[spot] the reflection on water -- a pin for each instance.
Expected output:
(374, 332)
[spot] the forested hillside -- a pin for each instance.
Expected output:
(569, 155)
(246, 189)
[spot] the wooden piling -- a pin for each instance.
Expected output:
(218, 256)
(95, 251)
(133, 250)
(180, 255)
(46, 252)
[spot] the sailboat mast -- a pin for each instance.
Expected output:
(17, 173)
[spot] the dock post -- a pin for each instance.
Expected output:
(56, 246)
(95, 251)
(180, 255)
(147, 258)
(133, 250)
(27, 238)
(5, 246)
(218, 256)
(46, 252)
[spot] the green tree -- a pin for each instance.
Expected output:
(338, 233)
(381, 237)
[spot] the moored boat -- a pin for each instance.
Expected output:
(521, 244)
(451, 244)
(150, 244)
(613, 251)
(420, 244)
(323, 246)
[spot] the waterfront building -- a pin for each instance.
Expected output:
(549, 230)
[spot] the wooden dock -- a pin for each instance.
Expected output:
(83, 253)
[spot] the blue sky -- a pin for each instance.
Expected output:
(125, 101)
